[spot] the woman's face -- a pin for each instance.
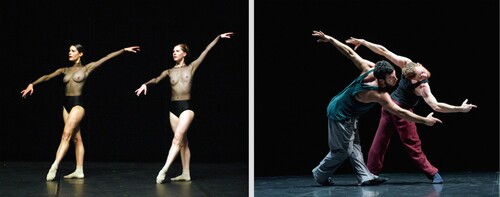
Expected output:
(74, 55)
(178, 54)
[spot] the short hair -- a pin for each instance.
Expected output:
(382, 68)
(409, 71)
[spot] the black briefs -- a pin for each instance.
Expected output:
(177, 107)
(71, 101)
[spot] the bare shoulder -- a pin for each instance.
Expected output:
(369, 96)
(381, 97)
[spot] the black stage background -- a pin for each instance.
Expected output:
(295, 78)
(118, 125)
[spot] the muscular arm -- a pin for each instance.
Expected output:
(400, 61)
(424, 90)
(386, 102)
(360, 63)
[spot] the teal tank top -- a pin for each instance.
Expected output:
(344, 106)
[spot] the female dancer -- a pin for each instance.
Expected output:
(73, 108)
(181, 114)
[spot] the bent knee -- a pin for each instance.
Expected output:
(179, 141)
(66, 136)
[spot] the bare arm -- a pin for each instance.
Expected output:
(93, 65)
(386, 102)
(44, 78)
(155, 80)
(400, 61)
(360, 63)
(203, 54)
(424, 90)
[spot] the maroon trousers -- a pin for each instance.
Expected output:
(407, 130)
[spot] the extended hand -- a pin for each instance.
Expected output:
(133, 49)
(28, 89)
(142, 88)
(226, 35)
(467, 107)
(322, 36)
(431, 120)
(355, 41)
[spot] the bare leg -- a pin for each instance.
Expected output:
(181, 128)
(185, 159)
(79, 152)
(185, 153)
(71, 123)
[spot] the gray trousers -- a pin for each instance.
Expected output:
(343, 140)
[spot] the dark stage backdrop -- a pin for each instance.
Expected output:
(295, 78)
(118, 125)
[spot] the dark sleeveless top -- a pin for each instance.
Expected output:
(404, 93)
(345, 106)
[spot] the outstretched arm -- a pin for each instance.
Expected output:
(386, 102)
(203, 54)
(400, 61)
(144, 87)
(361, 63)
(93, 65)
(30, 89)
(425, 91)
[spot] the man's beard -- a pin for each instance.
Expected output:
(387, 88)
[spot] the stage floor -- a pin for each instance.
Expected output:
(138, 179)
(123, 179)
(469, 184)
